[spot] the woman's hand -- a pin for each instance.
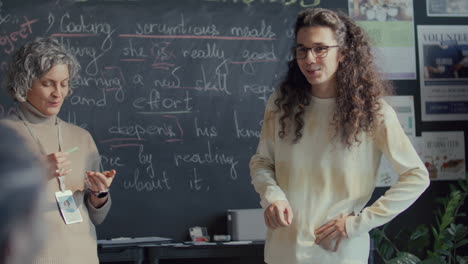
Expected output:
(278, 214)
(334, 230)
(58, 164)
(99, 182)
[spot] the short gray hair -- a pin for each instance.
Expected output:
(35, 59)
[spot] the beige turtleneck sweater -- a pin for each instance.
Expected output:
(74, 243)
(322, 179)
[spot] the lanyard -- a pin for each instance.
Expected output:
(61, 179)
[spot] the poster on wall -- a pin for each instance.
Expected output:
(404, 108)
(447, 8)
(443, 64)
(390, 24)
(443, 154)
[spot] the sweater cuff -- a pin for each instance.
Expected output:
(352, 223)
(273, 196)
(97, 215)
(265, 204)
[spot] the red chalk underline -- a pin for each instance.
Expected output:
(120, 139)
(192, 37)
(73, 35)
(164, 36)
(126, 145)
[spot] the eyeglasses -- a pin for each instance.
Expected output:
(319, 51)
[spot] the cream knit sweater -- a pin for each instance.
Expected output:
(322, 179)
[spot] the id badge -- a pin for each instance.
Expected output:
(67, 205)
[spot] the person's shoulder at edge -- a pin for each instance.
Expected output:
(16, 125)
(8, 122)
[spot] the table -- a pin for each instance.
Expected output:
(219, 253)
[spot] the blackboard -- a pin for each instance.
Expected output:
(173, 93)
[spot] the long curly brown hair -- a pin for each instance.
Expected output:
(359, 85)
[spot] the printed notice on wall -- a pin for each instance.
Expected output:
(391, 28)
(443, 60)
(447, 8)
(443, 154)
(404, 108)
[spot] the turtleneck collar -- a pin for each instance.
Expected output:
(34, 116)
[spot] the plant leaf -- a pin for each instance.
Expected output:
(462, 260)
(433, 261)
(461, 243)
(420, 231)
(404, 258)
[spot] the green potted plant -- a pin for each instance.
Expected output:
(436, 244)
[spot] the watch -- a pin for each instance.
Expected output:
(101, 194)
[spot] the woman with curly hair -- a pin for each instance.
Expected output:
(323, 135)
(39, 80)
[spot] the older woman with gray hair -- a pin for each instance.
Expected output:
(76, 191)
